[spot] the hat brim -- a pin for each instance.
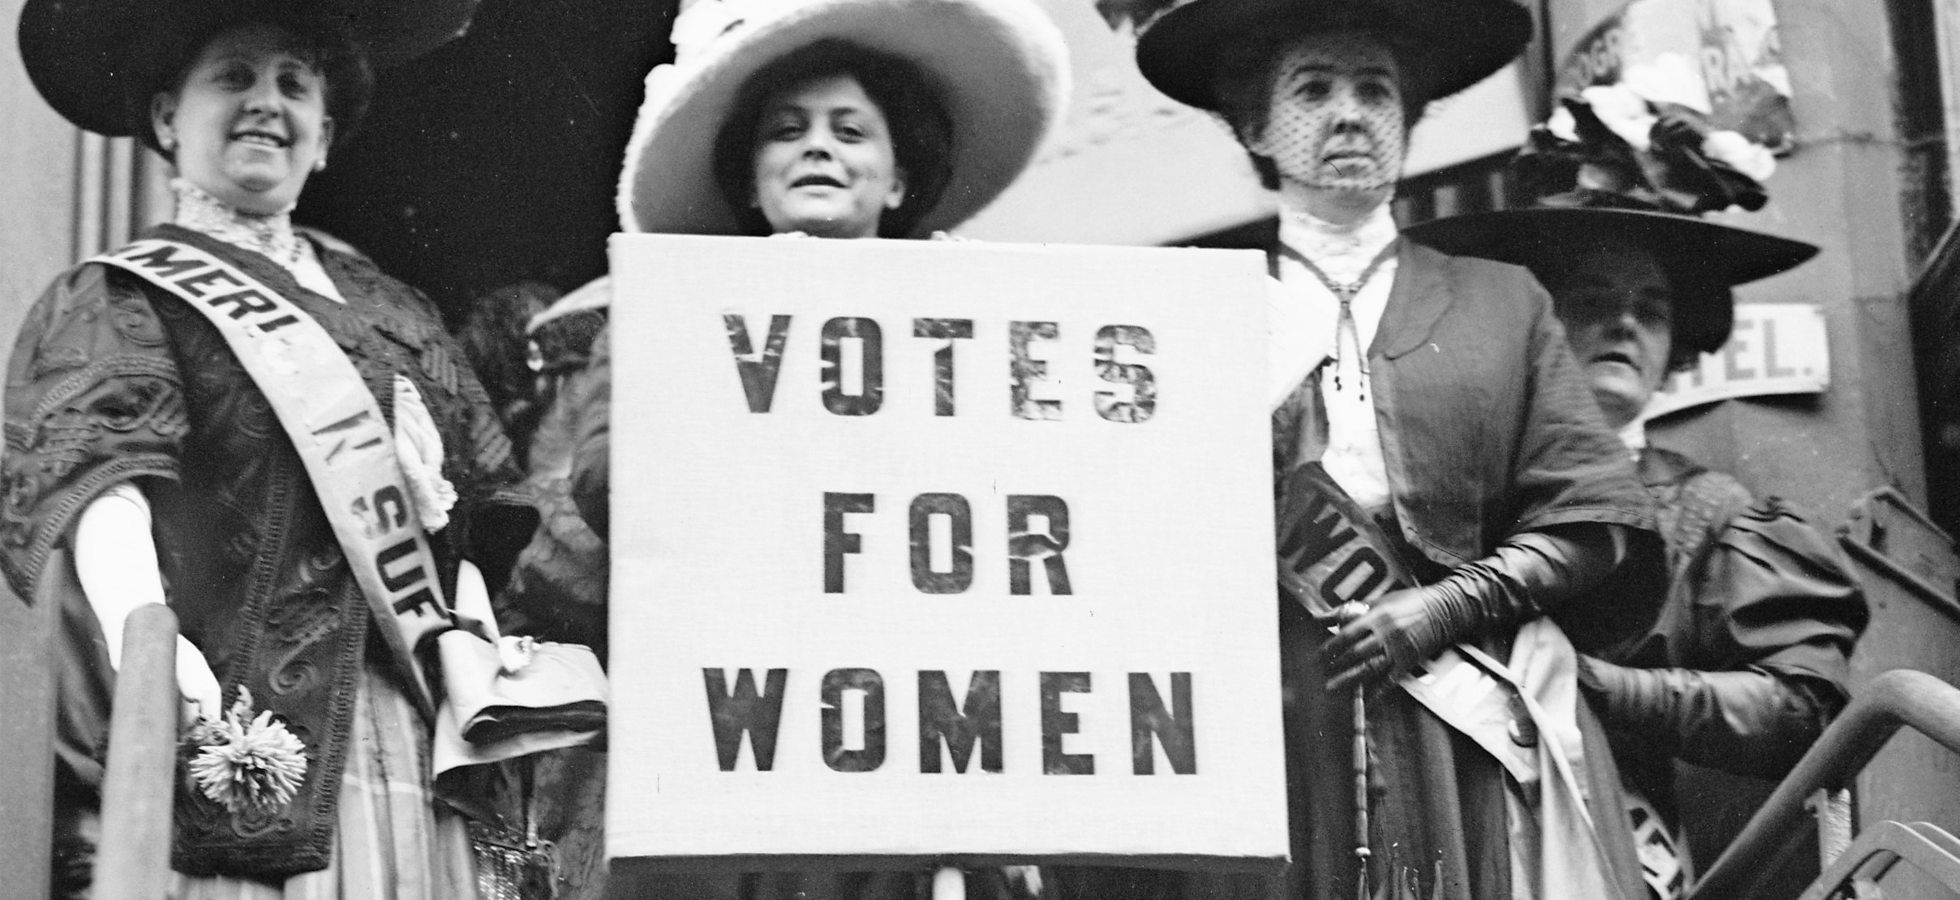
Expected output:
(79, 53)
(1453, 43)
(998, 66)
(1708, 253)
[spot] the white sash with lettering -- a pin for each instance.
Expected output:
(334, 423)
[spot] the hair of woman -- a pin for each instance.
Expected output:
(922, 133)
(161, 59)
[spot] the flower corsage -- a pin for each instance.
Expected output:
(244, 762)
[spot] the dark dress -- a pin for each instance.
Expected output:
(1488, 430)
(114, 380)
(1756, 633)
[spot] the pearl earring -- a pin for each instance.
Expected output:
(320, 165)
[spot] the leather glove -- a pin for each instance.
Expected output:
(1529, 574)
(1751, 722)
(1398, 633)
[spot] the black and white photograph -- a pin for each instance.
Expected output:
(980, 450)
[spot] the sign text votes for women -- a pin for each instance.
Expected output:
(940, 549)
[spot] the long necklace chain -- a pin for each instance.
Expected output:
(1346, 330)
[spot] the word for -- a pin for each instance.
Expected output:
(759, 371)
(1024, 545)
(959, 727)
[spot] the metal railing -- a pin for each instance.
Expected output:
(1897, 699)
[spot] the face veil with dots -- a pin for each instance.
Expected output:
(1335, 118)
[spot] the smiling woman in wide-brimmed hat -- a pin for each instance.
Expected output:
(995, 70)
(167, 397)
(98, 63)
(834, 118)
(840, 119)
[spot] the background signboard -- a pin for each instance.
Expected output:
(1723, 58)
(976, 538)
(1776, 348)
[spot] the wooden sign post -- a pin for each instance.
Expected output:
(941, 551)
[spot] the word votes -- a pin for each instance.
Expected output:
(758, 371)
(961, 727)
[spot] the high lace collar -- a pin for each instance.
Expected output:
(1342, 250)
(271, 235)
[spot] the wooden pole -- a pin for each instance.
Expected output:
(133, 861)
(27, 728)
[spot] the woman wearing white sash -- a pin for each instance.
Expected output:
(151, 456)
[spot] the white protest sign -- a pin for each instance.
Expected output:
(1776, 348)
(941, 549)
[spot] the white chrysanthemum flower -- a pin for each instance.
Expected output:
(247, 765)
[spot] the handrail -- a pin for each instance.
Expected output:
(133, 860)
(1883, 846)
(1931, 594)
(1891, 700)
(1928, 593)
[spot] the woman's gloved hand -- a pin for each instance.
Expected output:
(1402, 629)
(1750, 721)
(1530, 573)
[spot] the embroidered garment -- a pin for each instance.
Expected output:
(112, 381)
(387, 846)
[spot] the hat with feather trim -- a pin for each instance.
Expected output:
(1612, 166)
(998, 67)
(98, 61)
(1443, 46)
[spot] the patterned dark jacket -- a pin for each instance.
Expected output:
(113, 380)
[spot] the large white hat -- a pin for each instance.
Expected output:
(999, 68)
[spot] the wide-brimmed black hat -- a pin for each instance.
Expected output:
(1599, 187)
(1443, 46)
(91, 58)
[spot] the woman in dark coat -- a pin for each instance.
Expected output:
(1746, 660)
(1429, 400)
